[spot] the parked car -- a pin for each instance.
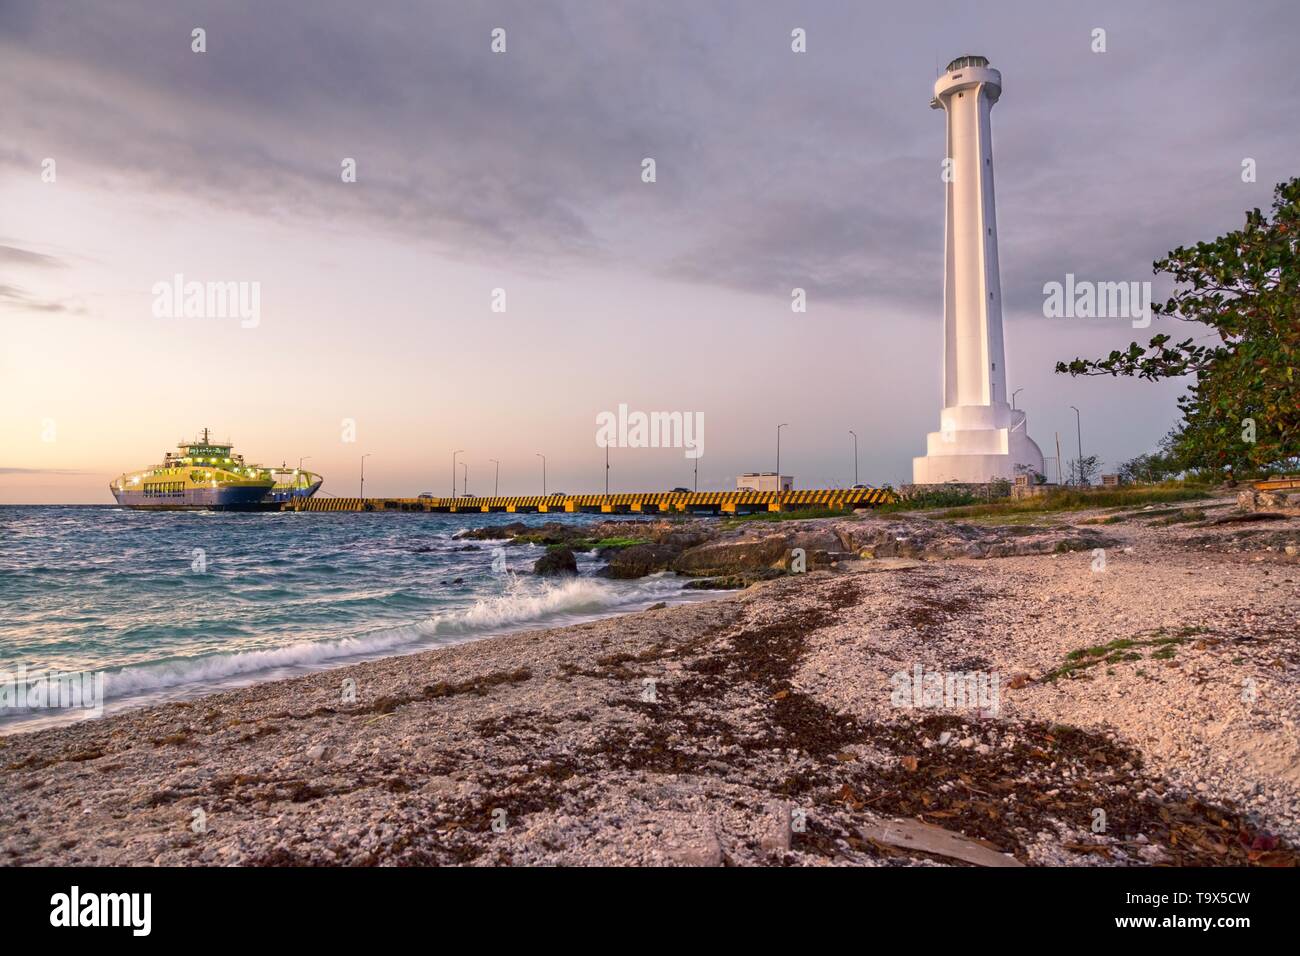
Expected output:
(426, 494)
(681, 491)
(861, 487)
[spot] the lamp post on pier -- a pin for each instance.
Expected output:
(1078, 424)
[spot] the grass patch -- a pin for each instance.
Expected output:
(1074, 499)
(1067, 545)
(1107, 519)
(931, 499)
(1100, 650)
(799, 514)
(618, 542)
(1121, 650)
(1181, 517)
(594, 544)
(1042, 520)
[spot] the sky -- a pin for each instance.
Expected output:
(522, 171)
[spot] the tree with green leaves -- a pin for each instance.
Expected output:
(1242, 411)
(1155, 466)
(1084, 471)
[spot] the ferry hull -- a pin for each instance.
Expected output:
(284, 495)
(199, 499)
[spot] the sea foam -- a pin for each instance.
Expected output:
(524, 602)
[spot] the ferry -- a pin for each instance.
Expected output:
(207, 475)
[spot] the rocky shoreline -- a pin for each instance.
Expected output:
(1143, 710)
(746, 552)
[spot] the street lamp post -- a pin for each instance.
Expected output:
(855, 456)
(302, 459)
(464, 488)
(363, 473)
(697, 473)
(458, 451)
(496, 481)
(1014, 394)
(606, 469)
(1078, 424)
(778, 453)
(543, 458)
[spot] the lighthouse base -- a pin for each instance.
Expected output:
(977, 444)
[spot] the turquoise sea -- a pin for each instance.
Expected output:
(168, 605)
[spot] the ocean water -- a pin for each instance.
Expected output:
(169, 605)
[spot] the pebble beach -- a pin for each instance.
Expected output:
(1138, 678)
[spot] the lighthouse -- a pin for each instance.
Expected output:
(980, 437)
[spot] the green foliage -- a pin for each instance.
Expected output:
(1159, 465)
(1185, 516)
(1035, 477)
(618, 542)
(1120, 651)
(1244, 287)
(1083, 471)
(932, 497)
(797, 514)
(595, 544)
(1072, 499)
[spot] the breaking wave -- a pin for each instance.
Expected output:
(524, 603)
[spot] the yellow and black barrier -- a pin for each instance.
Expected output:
(1280, 483)
(702, 502)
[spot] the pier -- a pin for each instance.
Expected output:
(701, 502)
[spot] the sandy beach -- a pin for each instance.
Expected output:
(1144, 712)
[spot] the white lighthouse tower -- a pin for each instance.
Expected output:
(980, 436)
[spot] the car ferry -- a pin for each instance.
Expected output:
(208, 475)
